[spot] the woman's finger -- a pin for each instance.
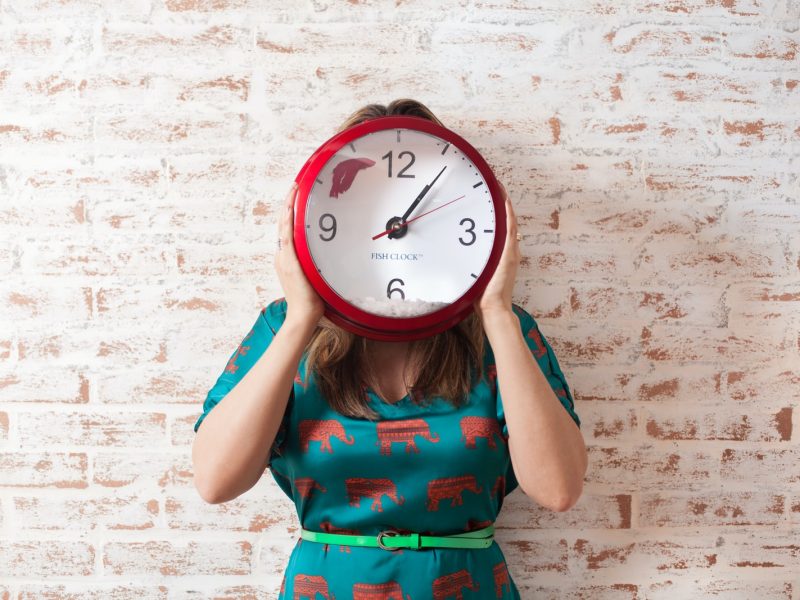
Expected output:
(510, 216)
(505, 191)
(281, 227)
(286, 221)
(286, 205)
(291, 195)
(290, 208)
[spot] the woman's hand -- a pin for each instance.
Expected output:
(302, 299)
(497, 295)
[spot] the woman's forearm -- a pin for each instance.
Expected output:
(232, 445)
(546, 447)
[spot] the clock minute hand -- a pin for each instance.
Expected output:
(419, 198)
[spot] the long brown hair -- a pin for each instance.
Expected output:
(446, 364)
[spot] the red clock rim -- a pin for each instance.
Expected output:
(379, 326)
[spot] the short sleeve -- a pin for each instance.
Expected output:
(243, 358)
(546, 358)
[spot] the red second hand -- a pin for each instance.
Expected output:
(375, 237)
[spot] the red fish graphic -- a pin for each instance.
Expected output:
(345, 172)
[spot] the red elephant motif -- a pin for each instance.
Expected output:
(308, 586)
(403, 431)
(390, 590)
(450, 487)
(321, 430)
(451, 584)
(473, 427)
(371, 488)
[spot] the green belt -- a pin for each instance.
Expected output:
(390, 539)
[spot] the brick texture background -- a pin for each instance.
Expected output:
(651, 150)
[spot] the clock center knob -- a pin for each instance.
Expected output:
(396, 228)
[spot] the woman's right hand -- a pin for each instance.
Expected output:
(302, 299)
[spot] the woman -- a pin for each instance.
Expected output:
(368, 436)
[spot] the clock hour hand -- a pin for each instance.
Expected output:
(419, 198)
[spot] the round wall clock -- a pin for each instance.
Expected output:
(399, 224)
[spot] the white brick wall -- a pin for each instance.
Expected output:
(651, 150)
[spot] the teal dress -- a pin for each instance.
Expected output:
(436, 470)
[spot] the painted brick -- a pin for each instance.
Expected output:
(269, 513)
(776, 469)
(91, 592)
(175, 559)
(46, 558)
(632, 469)
(150, 470)
(714, 509)
(720, 422)
(79, 512)
(31, 384)
(135, 430)
(159, 384)
(43, 469)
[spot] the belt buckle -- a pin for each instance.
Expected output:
(389, 532)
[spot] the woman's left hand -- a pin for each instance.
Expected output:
(497, 295)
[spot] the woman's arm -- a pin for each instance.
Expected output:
(231, 448)
(546, 446)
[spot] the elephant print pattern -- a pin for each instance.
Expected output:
(431, 468)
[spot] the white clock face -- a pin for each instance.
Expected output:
(366, 189)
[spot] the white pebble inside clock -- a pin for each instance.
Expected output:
(396, 307)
